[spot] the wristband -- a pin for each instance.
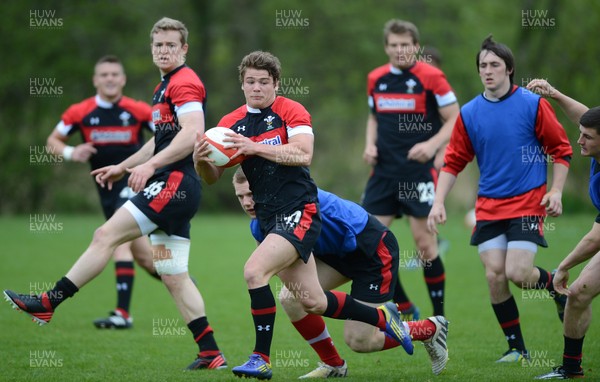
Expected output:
(68, 152)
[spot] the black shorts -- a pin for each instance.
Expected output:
(113, 199)
(301, 226)
(170, 200)
(410, 195)
(526, 228)
(373, 275)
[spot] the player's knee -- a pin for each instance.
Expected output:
(579, 298)
(170, 254)
(495, 276)
(518, 277)
(358, 342)
(313, 304)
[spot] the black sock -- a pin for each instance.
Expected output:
(572, 354)
(507, 314)
(343, 307)
(203, 335)
(435, 277)
(400, 296)
(125, 274)
(263, 308)
(545, 280)
(63, 289)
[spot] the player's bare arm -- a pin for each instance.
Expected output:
(587, 247)
(297, 152)
(553, 198)
(181, 146)
(572, 108)
(437, 214)
(57, 143)
(370, 153)
(424, 151)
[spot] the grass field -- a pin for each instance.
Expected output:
(159, 346)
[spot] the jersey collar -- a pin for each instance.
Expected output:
(104, 104)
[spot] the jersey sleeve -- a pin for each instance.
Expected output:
(459, 151)
(444, 95)
(552, 135)
(187, 95)
(69, 121)
(297, 120)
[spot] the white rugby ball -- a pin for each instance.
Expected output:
(221, 153)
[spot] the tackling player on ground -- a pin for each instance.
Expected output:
(353, 246)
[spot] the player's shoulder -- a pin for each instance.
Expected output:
(285, 106)
(230, 119)
(128, 102)
(427, 69)
(135, 106)
(379, 72)
(185, 74)
(80, 109)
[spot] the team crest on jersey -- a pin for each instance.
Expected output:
(124, 117)
(410, 86)
(269, 121)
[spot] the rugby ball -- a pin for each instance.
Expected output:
(220, 153)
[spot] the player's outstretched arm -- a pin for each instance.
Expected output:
(587, 247)
(572, 108)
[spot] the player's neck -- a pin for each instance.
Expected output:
(114, 99)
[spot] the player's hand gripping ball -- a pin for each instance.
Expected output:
(221, 153)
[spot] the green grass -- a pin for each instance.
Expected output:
(160, 345)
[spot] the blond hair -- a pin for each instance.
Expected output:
(167, 24)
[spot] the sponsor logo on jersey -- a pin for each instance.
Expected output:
(275, 141)
(108, 136)
(395, 104)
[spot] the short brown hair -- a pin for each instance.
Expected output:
(396, 26)
(167, 24)
(109, 59)
(262, 61)
(239, 177)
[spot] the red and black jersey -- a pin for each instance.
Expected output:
(115, 129)
(179, 92)
(276, 188)
(405, 103)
